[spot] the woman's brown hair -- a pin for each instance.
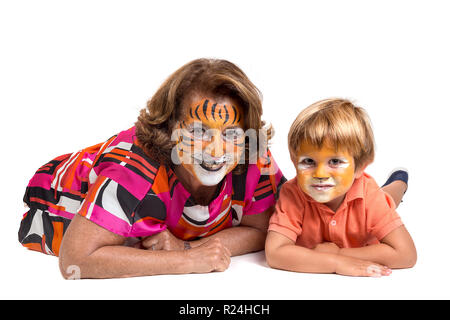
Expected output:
(218, 78)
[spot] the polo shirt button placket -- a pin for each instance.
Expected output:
(332, 230)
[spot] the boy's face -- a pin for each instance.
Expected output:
(325, 174)
(212, 138)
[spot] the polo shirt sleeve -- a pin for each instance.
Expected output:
(263, 181)
(119, 181)
(288, 216)
(382, 217)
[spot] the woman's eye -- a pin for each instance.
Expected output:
(197, 132)
(233, 134)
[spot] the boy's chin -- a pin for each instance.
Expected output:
(321, 198)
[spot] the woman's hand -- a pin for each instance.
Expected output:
(164, 240)
(360, 268)
(209, 256)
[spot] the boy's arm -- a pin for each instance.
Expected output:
(283, 253)
(396, 250)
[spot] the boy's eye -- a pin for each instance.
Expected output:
(337, 162)
(306, 163)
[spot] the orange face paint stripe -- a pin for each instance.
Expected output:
(209, 113)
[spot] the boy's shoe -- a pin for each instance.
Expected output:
(397, 174)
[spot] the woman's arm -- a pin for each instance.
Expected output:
(396, 250)
(248, 237)
(99, 253)
(282, 253)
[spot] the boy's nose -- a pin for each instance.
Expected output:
(321, 172)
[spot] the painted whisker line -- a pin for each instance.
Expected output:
(235, 114)
(187, 144)
(213, 110)
(205, 108)
(227, 116)
(196, 113)
(186, 138)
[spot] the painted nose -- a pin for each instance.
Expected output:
(321, 172)
(216, 147)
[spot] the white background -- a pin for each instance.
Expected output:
(73, 73)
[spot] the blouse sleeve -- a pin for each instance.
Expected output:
(288, 216)
(120, 179)
(263, 182)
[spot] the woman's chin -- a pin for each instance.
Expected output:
(210, 177)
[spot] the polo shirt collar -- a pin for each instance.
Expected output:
(356, 191)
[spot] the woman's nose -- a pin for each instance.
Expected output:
(216, 146)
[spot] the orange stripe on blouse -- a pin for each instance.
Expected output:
(133, 163)
(52, 205)
(58, 228)
(136, 157)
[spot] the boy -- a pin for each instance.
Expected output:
(333, 218)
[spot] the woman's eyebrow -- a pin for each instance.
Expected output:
(232, 127)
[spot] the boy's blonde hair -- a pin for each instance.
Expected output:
(339, 122)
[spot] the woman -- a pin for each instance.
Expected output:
(184, 181)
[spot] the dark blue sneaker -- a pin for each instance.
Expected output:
(397, 174)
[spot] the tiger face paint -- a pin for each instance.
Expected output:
(325, 174)
(211, 139)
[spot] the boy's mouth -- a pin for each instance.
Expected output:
(322, 187)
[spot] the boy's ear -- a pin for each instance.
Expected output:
(359, 172)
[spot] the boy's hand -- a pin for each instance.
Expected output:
(327, 247)
(360, 268)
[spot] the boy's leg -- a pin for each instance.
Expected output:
(396, 190)
(396, 185)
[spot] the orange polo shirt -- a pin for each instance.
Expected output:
(366, 216)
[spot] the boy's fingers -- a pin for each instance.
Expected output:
(377, 271)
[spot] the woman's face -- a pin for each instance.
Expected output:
(211, 139)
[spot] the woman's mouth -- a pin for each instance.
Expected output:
(210, 163)
(212, 166)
